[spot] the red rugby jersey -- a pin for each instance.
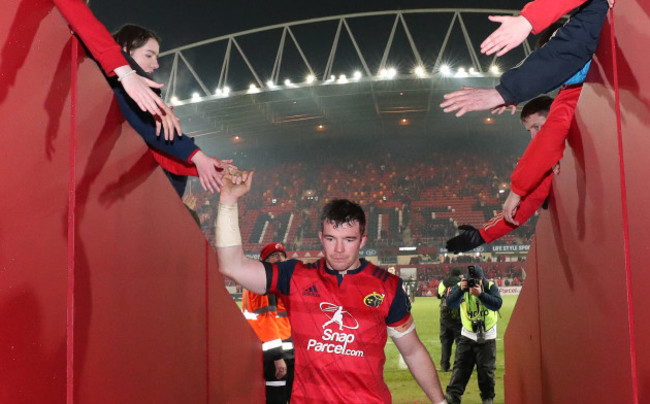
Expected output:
(339, 328)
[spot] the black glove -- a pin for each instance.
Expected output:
(468, 238)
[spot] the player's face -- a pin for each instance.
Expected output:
(146, 56)
(341, 245)
(533, 123)
(277, 256)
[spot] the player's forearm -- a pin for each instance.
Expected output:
(419, 362)
(230, 253)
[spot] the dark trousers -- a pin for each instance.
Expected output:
(449, 332)
(278, 391)
(469, 353)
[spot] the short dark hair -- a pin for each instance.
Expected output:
(131, 37)
(340, 211)
(539, 105)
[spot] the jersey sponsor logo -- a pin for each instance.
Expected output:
(337, 315)
(311, 291)
(333, 341)
(373, 300)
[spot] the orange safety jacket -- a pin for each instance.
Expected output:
(267, 315)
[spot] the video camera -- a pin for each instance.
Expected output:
(472, 279)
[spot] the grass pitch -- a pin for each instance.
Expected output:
(427, 318)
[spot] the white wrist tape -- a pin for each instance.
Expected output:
(227, 226)
(394, 333)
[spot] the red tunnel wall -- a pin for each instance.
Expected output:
(112, 296)
(580, 327)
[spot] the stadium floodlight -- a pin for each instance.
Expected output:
(461, 72)
(392, 72)
(494, 69)
(226, 91)
(383, 73)
(445, 70)
(357, 75)
(270, 84)
(252, 89)
(218, 92)
(419, 71)
(343, 79)
(472, 71)
(288, 83)
(174, 100)
(310, 79)
(196, 97)
(408, 248)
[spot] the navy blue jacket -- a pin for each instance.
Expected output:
(564, 54)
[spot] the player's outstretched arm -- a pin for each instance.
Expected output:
(230, 253)
(419, 362)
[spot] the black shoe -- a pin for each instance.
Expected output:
(451, 400)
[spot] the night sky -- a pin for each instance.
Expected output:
(188, 21)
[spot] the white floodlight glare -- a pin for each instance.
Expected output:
(472, 71)
(461, 72)
(174, 100)
(310, 78)
(383, 73)
(226, 91)
(196, 97)
(409, 248)
(494, 69)
(357, 75)
(288, 83)
(252, 89)
(343, 79)
(445, 70)
(270, 84)
(218, 92)
(392, 72)
(419, 71)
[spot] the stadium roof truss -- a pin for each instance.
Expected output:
(456, 20)
(365, 74)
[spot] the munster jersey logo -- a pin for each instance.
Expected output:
(373, 300)
(337, 315)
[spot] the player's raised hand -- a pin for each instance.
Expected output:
(236, 183)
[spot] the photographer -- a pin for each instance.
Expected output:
(479, 300)
(450, 324)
